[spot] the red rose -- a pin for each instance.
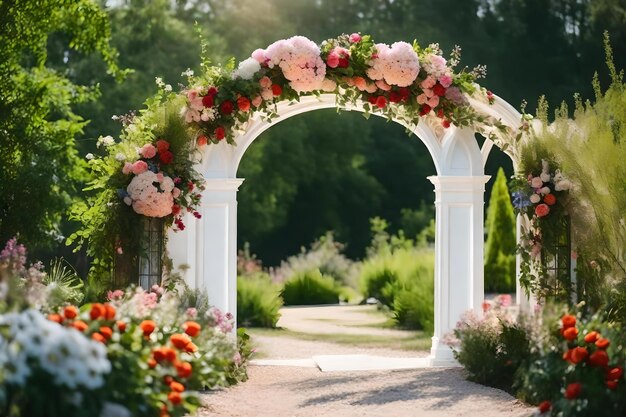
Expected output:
(545, 406)
(571, 333)
(381, 102)
(344, 62)
(599, 358)
(542, 210)
(166, 157)
(404, 93)
(614, 373)
(227, 107)
(573, 390)
(208, 100)
(549, 199)
(568, 321)
(591, 337)
(175, 209)
(395, 97)
(162, 145)
(440, 113)
(603, 343)
(220, 133)
(439, 90)
(212, 91)
(202, 140)
(372, 99)
(243, 103)
(578, 355)
(612, 385)
(425, 109)
(277, 90)
(445, 123)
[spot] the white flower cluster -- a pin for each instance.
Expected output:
(105, 141)
(149, 199)
(67, 355)
(247, 69)
(396, 65)
(299, 59)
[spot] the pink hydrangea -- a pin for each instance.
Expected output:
(355, 38)
(397, 65)
(149, 200)
(436, 66)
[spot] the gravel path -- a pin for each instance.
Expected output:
(274, 391)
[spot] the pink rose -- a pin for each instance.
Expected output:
(536, 182)
(383, 85)
(257, 101)
(128, 168)
(355, 37)
(429, 82)
(542, 210)
(139, 167)
(265, 82)
(433, 101)
(445, 81)
(148, 151)
(176, 192)
(332, 60)
(360, 83)
(422, 99)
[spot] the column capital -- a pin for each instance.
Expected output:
(223, 184)
(459, 183)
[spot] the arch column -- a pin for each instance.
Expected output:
(206, 252)
(459, 245)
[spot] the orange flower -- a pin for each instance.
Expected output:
(109, 312)
(578, 355)
(158, 354)
(573, 390)
(152, 363)
(97, 311)
(147, 326)
(70, 312)
(603, 343)
(121, 325)
(571, 333)
(55, 318)
(177, 386)
(192, 328)
(180, 340)
(170, 354)
(567, 356)
(614, 373)
(98, 337)
(568, 321)
(164, 412)
(191, 348)
(183, 369)
(174, 397)
(79, 325)
(592, 336)
(611, 385)
(599, 358)
(544, 406)
(168, 379)
(107, 332)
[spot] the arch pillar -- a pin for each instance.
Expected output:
(459, 245)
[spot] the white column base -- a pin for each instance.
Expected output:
(441, 355)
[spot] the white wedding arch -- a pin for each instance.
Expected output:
(208, 248)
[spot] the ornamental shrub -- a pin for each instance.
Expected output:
(258, 301)
(309, 288)
(500, 245)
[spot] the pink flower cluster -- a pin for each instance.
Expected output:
(149, 199)
(396, 65)
(299, 59)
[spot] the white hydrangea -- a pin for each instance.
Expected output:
(247, 69)
(71, 359)
(105, 141)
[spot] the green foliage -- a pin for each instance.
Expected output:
(41, 168)
(401, 277)
(309, 288)
(64, 286)
(500, 245)
(258, 301)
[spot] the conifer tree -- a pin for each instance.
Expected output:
(500, 246)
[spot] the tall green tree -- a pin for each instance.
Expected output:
(500, 246)
(40, 168)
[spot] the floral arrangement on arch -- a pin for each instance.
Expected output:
(400, 80)
(541, 196)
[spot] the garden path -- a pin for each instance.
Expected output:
(286, 391)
